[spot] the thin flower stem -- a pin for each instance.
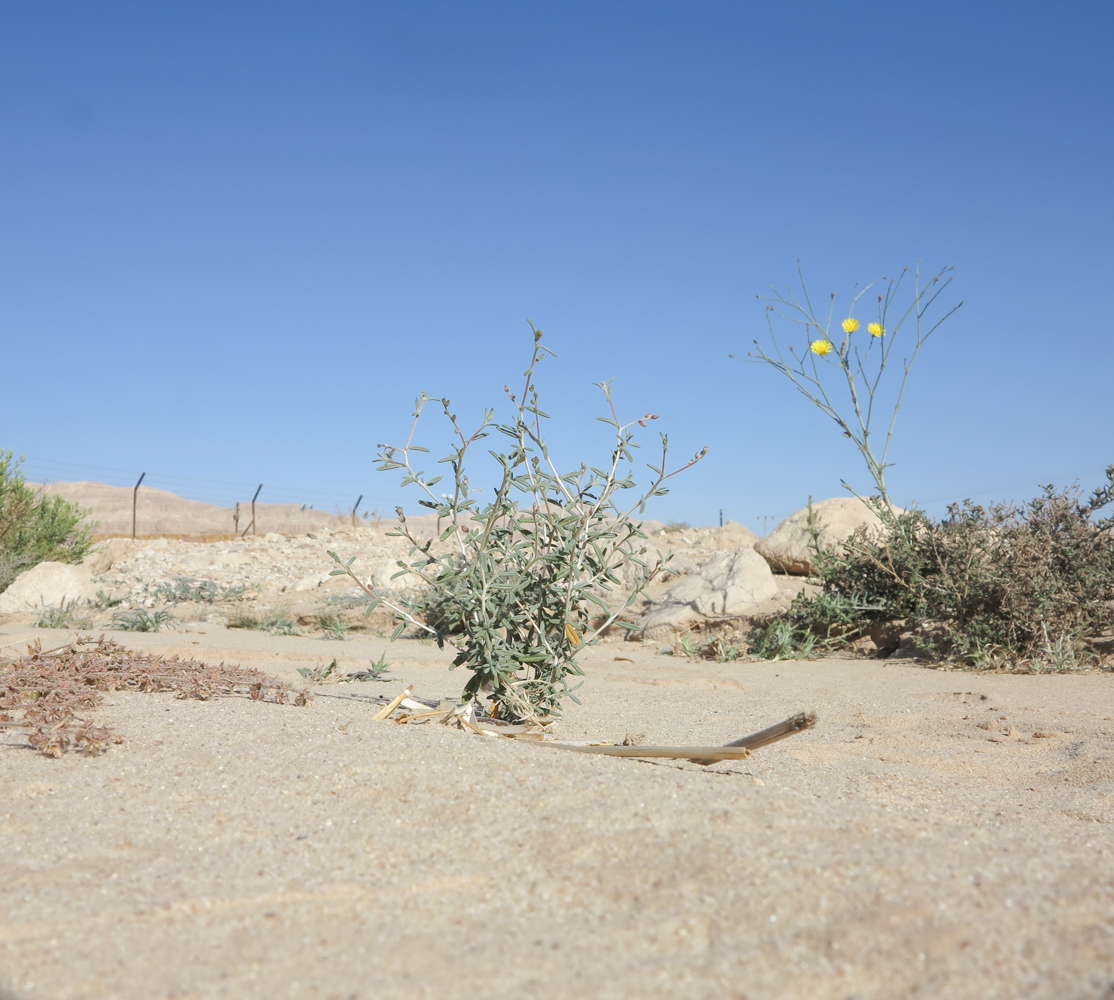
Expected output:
(862, 377)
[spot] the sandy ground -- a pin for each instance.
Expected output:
(910, 846)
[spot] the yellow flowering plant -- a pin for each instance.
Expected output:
(853, 397)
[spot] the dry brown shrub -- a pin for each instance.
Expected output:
(51, 692)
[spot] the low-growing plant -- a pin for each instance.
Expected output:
(52, 693)
(377, 670)
(782, 639)
(276, 623)
(722, 650)
(346, 602)
(522, 588)
(182, 590)
(333, 627)
(319, 674)
(65, 615)
(106, 600)
(690, 646)
(141, 620)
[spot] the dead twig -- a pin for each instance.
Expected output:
(737, 750)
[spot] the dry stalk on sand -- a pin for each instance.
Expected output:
(50, 692)
(465, 717)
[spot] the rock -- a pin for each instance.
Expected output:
(315, 580)
(790, 547)
(381, 579)
(50, 584)
(729, 585)
(108, 552)
(731, 536)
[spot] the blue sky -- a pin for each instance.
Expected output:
(238, 238)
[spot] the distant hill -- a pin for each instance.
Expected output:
(160, 512)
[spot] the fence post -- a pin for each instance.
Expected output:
(721, 517)
(357, 504)
(236, 520)
(135, 500)
(253, 499)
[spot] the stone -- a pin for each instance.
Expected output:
(732, 584)
(731, 535)
(107, 553)
(790, 547)
(381, 580)
(49, 584)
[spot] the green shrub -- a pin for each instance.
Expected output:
(518, 583)
(1030, 585)
(35, 527)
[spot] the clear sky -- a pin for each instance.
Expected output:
(238, 238)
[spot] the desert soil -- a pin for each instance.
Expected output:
(938, 834)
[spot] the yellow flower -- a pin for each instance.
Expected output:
(821, 347)
(876, 329)
(850, 325)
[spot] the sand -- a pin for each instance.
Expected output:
(909, 846)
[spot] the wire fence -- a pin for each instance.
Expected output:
(143, 504)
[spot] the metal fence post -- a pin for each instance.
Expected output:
(253, 499)
(354, 508)
(135, 500)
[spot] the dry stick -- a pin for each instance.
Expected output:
(386, 710)
(705, 755)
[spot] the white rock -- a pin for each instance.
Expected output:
(107, 554)
(381, 579)
(50, 584)
(790, 547)
(731, 584)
